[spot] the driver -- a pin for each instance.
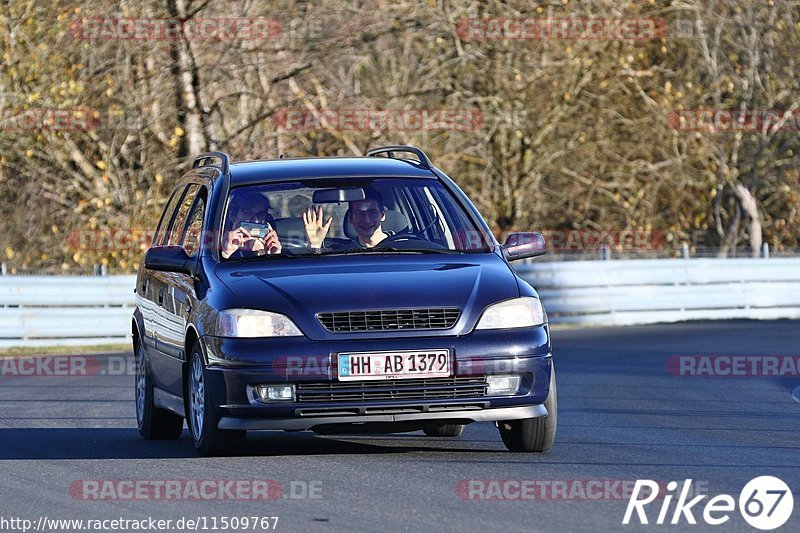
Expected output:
(365, 216)
(236, 240)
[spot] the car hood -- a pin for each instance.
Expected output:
(301, 288)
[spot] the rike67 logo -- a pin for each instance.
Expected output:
(765, 503)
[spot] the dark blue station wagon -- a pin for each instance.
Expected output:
(336, 294)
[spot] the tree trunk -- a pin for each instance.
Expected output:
(750, 208)
(186, 84)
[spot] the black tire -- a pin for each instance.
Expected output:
(444, 430)
(208, 439)
(533, 434)
(154, 423)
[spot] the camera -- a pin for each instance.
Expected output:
(257, 230)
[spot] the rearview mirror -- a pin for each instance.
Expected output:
(336, 196)
(169, 259)
(523, 245)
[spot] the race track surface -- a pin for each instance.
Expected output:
(623, 415)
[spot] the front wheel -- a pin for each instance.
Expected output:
(208, 439)
(533, 434)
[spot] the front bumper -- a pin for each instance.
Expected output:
(236, 365)
(439, 416)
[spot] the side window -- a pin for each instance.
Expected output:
(466, 237)
(439, 225)
(167, 216)
(179, 221)
(194, 225)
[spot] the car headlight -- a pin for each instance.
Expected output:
(517, 313)
(254, 323)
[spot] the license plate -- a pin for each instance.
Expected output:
(394, 365)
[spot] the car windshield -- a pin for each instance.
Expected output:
(314, 217)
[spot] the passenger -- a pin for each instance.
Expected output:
(248, 207)
(365, 216)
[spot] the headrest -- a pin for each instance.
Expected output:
(290, 229)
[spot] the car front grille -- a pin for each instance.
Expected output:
(392, 389)
(390, 319)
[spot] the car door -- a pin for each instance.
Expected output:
(168, 332)
(180, 293)
(147, 289)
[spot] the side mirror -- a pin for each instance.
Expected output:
(169, 259)
(523, 245)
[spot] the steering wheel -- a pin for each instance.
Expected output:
(410, 237)
(403, 236)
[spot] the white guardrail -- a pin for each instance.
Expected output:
(646, 291)
(66, 310)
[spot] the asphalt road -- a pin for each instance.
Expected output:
(622, 416)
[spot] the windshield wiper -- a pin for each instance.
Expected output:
(384, 250)
(268, 257)
(409, 250)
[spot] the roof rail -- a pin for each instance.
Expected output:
(224, 161)
(390, 150)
